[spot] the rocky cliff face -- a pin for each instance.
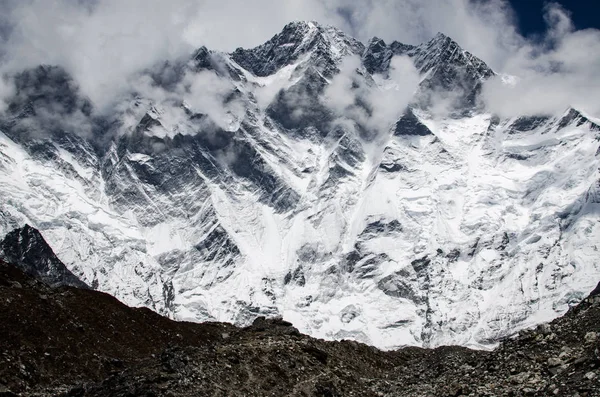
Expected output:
(228, 187)
(27, 249)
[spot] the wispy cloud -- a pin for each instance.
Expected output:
(100, 43)
(375, 106)
(546, 77)
(103, 43)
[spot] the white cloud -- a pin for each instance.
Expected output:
(102, 43)
(229, 24)
(375, 106)
(265, 94)
(486, 28)
(6, 90)
(207, 93)
(390, 101)
(340, 95)
(562, 70)
(203, 92)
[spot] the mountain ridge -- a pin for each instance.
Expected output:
(230, 195)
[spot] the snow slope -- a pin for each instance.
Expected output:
(453, 229)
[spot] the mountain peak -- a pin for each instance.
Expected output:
(314, 27)
(439, 36)
(300, 28)
(301, 24)
(326, 44)
(445, 55)
(578, 118)
(376, 43)
(440, 43)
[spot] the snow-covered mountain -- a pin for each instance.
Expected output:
(228, 186)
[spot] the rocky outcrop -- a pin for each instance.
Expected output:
(27, 248)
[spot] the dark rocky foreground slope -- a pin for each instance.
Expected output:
(78, 342)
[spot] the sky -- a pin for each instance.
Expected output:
(530, 14)
(547, 53)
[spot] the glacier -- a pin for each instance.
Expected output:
(445, 227)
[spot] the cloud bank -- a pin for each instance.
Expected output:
(102, 43)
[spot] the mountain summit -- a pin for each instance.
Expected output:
(325, 45)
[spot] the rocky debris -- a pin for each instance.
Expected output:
(560, 358)
(58, 336)
(277, 325)
(75, 342)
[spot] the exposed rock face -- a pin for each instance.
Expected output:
(296, 40)
(72, 342)
(446, 66)
(432, 230)
(27, 248)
